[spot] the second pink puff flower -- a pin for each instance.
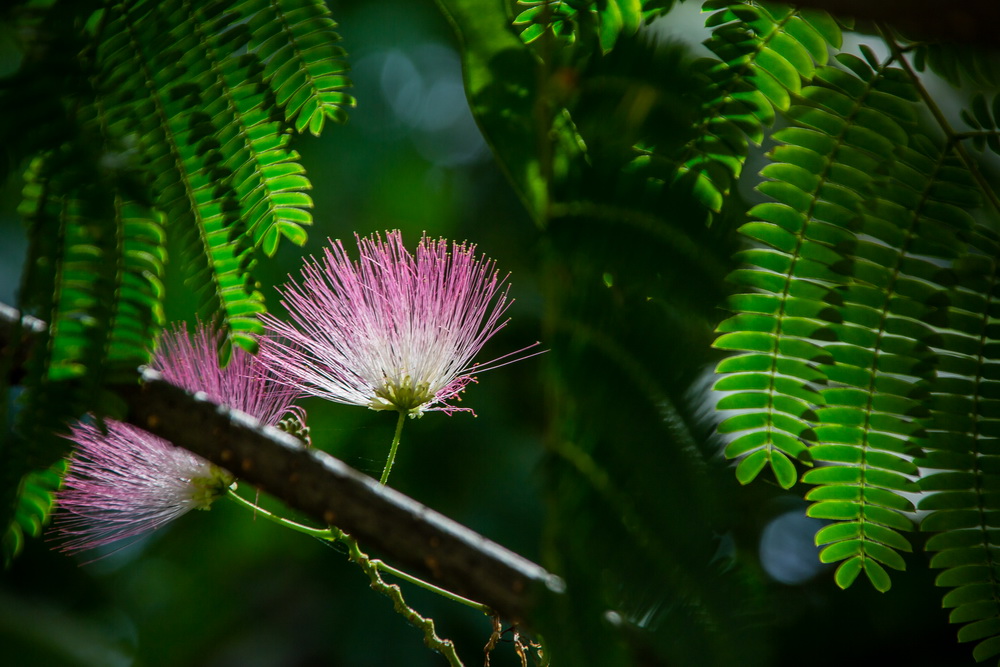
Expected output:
(123, 483)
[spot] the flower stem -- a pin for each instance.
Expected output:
(393, 448)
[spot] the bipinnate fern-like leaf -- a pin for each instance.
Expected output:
(269, 184)
(765, 54)
(961, 465)
(863, 318)
(211, 128)
(95, 278)
(909, 230)
(841, 297)
(296, 41)
(790, 299)
(160, 49)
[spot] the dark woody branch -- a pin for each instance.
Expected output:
(972, 23)
(331, 492)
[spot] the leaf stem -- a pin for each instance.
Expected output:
(373, 568)
(321, 533)
(333, 534)
(382, 566)
(426, 625)
(392, 449)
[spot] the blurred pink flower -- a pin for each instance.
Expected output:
(390, 331)
(127, 482)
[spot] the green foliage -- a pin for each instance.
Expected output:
(35, 502)
(959, 464)
(158, 119)
(305, 68)
(570, 130)
(766, 53)
(983, 119)
(862, 322)
(601, 20)
(958, 64)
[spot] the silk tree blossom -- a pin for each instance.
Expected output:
(126, 482)
(391, 331)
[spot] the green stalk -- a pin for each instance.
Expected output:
(393, 448)
(323, 534)
(333, 534)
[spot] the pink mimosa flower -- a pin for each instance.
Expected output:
(390, 331)
(127, 482)
(192, 362)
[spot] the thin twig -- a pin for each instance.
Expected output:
(951, 135)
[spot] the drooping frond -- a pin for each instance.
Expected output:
(94, 276)
(908, 232)
(269, 184)
(834, 326)
(304, 66)
(765, 55)
(819, 174)
(157, 47)
(961, 466)
(224, 174)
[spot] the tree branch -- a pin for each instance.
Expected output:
(330, 492)
(972, 22)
